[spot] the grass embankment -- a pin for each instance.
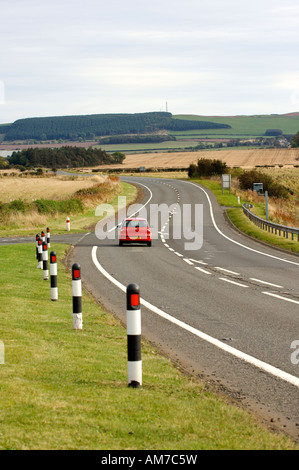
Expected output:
(46, 202)
(67, 389)
(241, 222)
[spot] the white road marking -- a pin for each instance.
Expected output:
(264, 282)
(188, 261)
(225, 347)
(281, 298)
(227, 271)
(199, 262)
(232, 282)
(202, 270)
(230, 239)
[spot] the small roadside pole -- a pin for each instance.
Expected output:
(48, 237)
(68, 224)
(43, 237)
(40, 253)
(36, 243)
(134, 336)
(45, 262)
(266, 204)
(77, 297)
(53, 276)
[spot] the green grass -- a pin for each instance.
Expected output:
(67, 389)
(225, 199)
(245, 125)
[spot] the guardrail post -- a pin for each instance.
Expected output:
(68, 224)
(53, 276)
(77, 297)
(45, 262)
(134, 336)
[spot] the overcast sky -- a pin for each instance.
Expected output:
(208, 57)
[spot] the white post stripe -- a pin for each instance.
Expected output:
(135, 372)
(133, 322)
(76, 288)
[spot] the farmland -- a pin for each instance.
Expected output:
(245, 158)
(225, 128)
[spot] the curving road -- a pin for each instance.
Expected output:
(227, 312)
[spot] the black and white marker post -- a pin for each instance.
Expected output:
(53, 276)
(45, 262)
(40, 253)
(43, 237)
(134, 336)
(48, 237)
(77, 297)
(36, 243)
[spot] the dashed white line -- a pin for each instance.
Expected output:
(199, 262)
(188, 261)
(232, 282)
(227, 271)
(202, 270)
(264, 282)
(178, 254)
(281, 297)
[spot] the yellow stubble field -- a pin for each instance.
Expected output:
(244, 158)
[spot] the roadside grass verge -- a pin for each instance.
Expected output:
(242, 223)
(53, 213)
(65, 389)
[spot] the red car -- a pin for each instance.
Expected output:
(135, 230)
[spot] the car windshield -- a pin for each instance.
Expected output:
(136, 223)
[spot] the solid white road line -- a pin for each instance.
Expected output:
(225, 347)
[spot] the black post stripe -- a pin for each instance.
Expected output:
(134, 348)
(77, 304)
(53, 281)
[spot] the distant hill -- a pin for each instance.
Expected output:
(97, 125)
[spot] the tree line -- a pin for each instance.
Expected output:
(136, 139)
(90, 126)
(63, 157)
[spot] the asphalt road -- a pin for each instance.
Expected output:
(227, 311)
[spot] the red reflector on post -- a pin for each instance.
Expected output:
(134, 300)
(76, 273)
(53, 259)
